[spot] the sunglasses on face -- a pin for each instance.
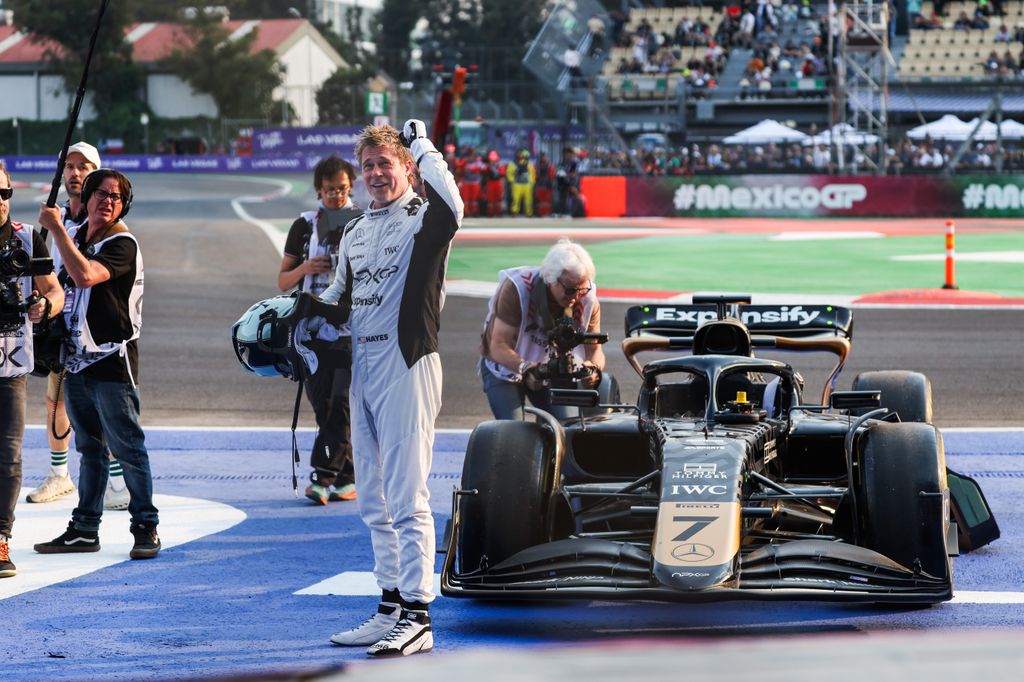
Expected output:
(578, 291)
(6, 193)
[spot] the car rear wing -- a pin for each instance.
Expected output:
(787, 321)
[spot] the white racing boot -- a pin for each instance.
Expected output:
(411, 635)
(372, 629)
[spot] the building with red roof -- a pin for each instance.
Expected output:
(33, 91)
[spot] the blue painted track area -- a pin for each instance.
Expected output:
(256, 580)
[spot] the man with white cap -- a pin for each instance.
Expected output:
(82, 158)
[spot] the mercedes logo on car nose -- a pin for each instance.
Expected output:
(693, 552)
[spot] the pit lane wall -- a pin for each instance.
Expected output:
(805, 196)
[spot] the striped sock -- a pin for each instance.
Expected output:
(59, 463)
(116, 475)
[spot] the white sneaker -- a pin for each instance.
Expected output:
(372, 629)
(54, 487)
(411, 635)
(116, 500)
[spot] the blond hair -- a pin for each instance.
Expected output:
(381, 136)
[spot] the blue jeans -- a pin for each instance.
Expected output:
(507, 398)
(105, 414)
(12, 429)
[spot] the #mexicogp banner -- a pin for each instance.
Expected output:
(824, 195)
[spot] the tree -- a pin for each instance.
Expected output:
(507, 24)
(240, 82)
(394, 23)
(342, 97)
(114, 80)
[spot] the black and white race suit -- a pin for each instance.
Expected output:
(392, 263)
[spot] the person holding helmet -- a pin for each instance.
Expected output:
(82, 158)
(527, 303)
(391, 268)
(102, 275)
(522, 176)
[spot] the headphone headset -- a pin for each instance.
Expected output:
(92, 182)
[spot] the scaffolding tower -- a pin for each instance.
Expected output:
(859, 48)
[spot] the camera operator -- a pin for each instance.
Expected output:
(82, 158)
(310, 257)
(103, 279)
(526, 306)
(391, 267)
(20, 246)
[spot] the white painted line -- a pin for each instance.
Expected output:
(973, 597)
(594, 232)
(812, 235)
(353, 584)
(182, 520)
(363, 584)
(276, 236)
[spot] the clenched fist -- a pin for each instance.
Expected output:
(413, 129)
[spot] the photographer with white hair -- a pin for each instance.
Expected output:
(526, 306)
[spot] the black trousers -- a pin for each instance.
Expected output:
(327, 391)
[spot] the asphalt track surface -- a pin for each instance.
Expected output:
(247, 586)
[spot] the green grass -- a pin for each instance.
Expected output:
(753, 263)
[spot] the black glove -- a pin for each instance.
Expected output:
(413, 129)
(309, 305)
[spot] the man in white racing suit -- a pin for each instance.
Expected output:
(392, 265)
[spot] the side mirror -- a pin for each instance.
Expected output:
(575, 397)
(849, 400)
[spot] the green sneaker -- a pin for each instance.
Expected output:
(344, 493)
(317, 493)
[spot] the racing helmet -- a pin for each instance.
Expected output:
(263, 338)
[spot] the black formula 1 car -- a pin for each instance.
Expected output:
(722, 481)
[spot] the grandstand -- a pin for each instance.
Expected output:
(662, 74)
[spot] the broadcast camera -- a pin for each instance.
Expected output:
(14, 264)
(561, 370)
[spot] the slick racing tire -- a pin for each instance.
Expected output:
(908, 394)
(510, 464)
(903, 497)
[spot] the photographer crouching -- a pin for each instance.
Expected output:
(29, 294)
(102, 275)
(532, 318)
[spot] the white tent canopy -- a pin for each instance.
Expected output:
(1010, 129)
(986, 131)
(949, 127)
(764, 132)
(844, 133)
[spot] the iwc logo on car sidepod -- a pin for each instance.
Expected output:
(693, 552)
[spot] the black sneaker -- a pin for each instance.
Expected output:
(147, 542)
(7, 569)
(72, 540)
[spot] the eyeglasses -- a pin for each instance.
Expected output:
(578, 291)
(6, 193)
(103, 195)
(335, 191)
